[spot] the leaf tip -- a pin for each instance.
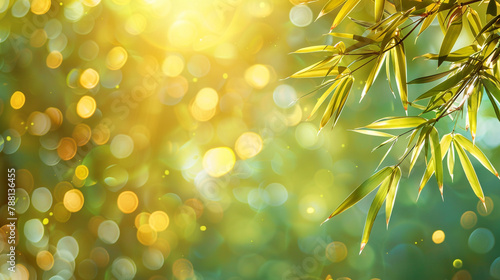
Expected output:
(418, 195)
(441, 191)
(362, 247)
(484, 203)
(325, 221)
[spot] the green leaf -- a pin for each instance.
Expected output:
(487, 26)
(476, 152)
(337, 102)
(475, 25)
(373, 132)
(450, 37)
(320, 48)
(362, 190)
(431, 166)
(473, 104)
(379, 9)
(353, 37)
(426, 23)
(373, 74)
(391, 195)
(492, 88)
(418, 147)
(438, 159)
(344, 11)
(494, 104)
(491, 10)
(373, 211)
(469, 171)
(330, 6)
(431, 78)
(451, 160)
(323, 97)
(397, 123)
(446, 85)
(320, 72)
(399, 61)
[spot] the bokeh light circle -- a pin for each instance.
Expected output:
(122, 146)
(301, 15)
(481, 240)
(73, 200)
(86, 107)
(41, 199)
(109, 232)
(438, 237)
(33, 230)
(219, 161)
(17, 100)
(124, 268)
(127, 202)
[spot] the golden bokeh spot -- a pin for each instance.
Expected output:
(17, 100)
(196, 205)
(40, 7)
(219, 161)
(257, 76)
(45, 221)
(146, 235)
(248, 145)
(81, 134)
(173, 65)
(182, 269)
(45, 260)
(207, 99)
(127, 202)
(73, 200)
(310, 210)
(203, 228)
(81, 172)
(56, 117)
(200, 114)
(54, 59)
(116, 58)
(67, 148)
(38, 38)
(89, 78)
(86, 107)
(100, 134)
(457, 263)
(141, 219)
(468, 219)
(159, 220)
(438, 237)
(100, 256)
(336, 251)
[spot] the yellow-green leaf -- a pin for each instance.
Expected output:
(397, 123)
(391, 195)
(323, 97)
(469, 171)
(438, 159)
(450, 37)
(473, 104)
(426, 23)
(475, 25)
(451, 160)
(379, 9)
(330, 6)
(373, 74)
(320, 48)
(337, 102)
(399, 61)
(373, 211)
(476, 152)
(362, 190)
(320, 72)
(373, 132)
(344, 11)
(431, 166)
(431, 78)
(418, 147)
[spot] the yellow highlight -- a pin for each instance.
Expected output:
(146, 235)
(219, 161)
(91, 3)
(17, 100)
(257, 76)
(73, 200)
(438, 237)
(86, 107)
(127, 202)
(45, 221)
(203, 228)
(159, 220)
(116, 58)
(207, 99)
(173, 65)
(310, 210)
(45, 260)
(336, 251)
(54, 59)
(40, 7)
(89, 78)
(248, 145)
(81, 172)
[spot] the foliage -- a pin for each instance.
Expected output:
(473, 71)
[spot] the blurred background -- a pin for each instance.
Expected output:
(160, 139)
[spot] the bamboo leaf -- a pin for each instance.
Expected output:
(323, 97)
(379, 9)
(426, 23)
(451, 160)
(475, 25)
(373, 74)
(491, 87)
(337, 101)
(399, 61)
(418, 147)
(320, 72)
(353, 37)
(494, 104)
(320, 48)
(330, 6)
(373, 132)
(431, 166)
(473, 103)
(431, 78)
(391, 195)
(450, 38)
(438, 159)
(344, 11)
(491, 10)
(476, 152)
(446, 85)
(469, 171)
(397, 123)
(373, 211)
(362, 190)
(487, 26)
